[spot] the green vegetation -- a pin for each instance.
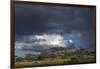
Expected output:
(80, 56)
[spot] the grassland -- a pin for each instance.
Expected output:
(45, 59)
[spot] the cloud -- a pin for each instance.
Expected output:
(76, 34)
(41, 41)
(39, 19)
(36, 25)
(53, 40)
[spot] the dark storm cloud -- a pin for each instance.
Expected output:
(38, 20)
(35, 19)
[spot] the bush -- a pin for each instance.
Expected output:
(74, 59)
(19, 59)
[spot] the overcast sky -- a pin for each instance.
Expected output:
(49, 22)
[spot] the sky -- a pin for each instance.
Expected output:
(43, 27)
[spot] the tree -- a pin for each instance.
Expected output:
(18, 59)
(58, 48)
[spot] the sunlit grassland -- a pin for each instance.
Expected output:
(64, 59)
